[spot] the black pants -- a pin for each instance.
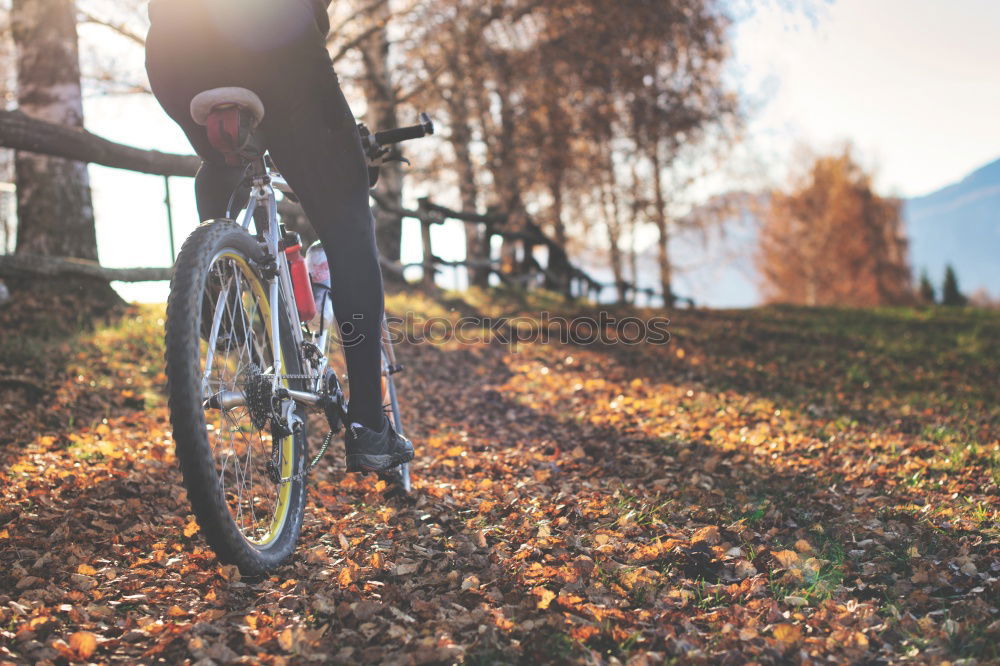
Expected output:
(311, 135)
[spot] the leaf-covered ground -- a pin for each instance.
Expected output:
(772, 486)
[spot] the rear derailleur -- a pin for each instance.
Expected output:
(274, 409)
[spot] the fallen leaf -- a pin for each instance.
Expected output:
(787, 633)
(545, 597)
(709, 535)
(286, 639)
(786, 558)
(83, 644)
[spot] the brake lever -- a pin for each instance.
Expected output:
(396, 157)
(385, 156)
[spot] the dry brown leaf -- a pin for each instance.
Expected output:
(286, 639)
(786, 558)
(230, 573)
(545, 597)
(709, 535)
(83, 644)
(787, 633)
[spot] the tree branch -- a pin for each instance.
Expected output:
(121, 30)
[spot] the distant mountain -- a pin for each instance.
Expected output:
(959, 224)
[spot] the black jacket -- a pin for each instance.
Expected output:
(320, 7)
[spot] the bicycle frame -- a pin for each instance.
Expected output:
(262, 195)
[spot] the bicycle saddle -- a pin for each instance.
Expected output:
(230, 116)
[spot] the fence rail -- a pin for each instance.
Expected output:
(21, 132)
(15, 265)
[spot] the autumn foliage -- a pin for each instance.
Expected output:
(773, 486)
(830, 239)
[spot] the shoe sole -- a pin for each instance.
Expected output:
(360, 462)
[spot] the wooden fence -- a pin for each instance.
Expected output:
(21, 132)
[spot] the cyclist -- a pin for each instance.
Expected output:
(277, 48)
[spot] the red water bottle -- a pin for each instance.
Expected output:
(301, 284)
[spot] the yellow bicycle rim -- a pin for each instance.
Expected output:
(287, 445)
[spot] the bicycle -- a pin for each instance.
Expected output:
(245, 364)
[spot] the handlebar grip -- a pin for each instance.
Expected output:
(387, 137)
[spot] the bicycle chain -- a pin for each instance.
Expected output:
(275, 452)
(315, 461)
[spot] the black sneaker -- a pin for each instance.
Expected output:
(370, 451)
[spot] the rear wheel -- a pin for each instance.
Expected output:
(219, 341)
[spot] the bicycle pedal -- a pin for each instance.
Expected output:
(393, 476)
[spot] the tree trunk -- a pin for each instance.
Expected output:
(476, 244)
(504, 167)
(609, 202)
(55, 213)
(380, 93)
(663, 241)
(558, 278)
(8, 221)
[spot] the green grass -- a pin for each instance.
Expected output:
(632, 509)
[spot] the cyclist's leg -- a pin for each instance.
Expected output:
(314, 141)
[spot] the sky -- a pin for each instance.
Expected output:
(913, 83)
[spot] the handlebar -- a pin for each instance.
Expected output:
(400, 134)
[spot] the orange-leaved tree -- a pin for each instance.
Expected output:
(829, 239)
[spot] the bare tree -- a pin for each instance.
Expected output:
(54, 207)
(381, 95)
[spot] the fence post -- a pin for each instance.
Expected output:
(170, 218)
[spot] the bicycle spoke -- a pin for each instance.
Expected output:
(239, 343)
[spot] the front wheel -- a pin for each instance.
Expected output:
(390, 403)
(219, 341)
